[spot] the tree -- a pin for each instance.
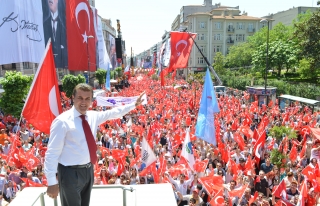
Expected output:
(218, 64)
(69, 82)
(117, 72)
(240, 55)
(16, 87)
(101, 76)
(307, 32)
(281, 55)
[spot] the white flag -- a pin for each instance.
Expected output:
(104, 60)
(119, 130)
(147, 154)
(129, 123)
(187, 151)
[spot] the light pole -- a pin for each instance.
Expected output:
(89, 37)
(267, 59)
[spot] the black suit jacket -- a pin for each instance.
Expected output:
(59, 43)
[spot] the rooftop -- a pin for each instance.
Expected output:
(243, 17)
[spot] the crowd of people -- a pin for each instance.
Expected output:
(236, 171)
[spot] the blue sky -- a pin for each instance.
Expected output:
(143, 22)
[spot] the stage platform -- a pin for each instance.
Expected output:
(109, 195)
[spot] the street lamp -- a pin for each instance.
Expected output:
(89, 37)
(267, 60)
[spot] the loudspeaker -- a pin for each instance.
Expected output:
(118, 48)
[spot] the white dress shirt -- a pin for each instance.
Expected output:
(67, 143)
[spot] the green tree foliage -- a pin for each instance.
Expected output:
(117, 72)
(281, 55)
(16, 87)
(101, 76)
(219, 61)
(277, 158)
(70, 81)
(278, 32)
(310, 91)
(307, 31)
(279, 132)
(240, 55)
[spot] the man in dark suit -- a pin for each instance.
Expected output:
(55, 28)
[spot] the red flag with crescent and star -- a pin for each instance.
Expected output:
(43, 104)
(81, 36)
(181, 45)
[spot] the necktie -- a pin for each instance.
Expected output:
(92, 146)
(54, 28)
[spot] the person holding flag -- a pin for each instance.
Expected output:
(71, 152)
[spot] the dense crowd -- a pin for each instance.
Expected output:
(235, 172)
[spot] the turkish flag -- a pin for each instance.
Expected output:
(308, 171)
(212, 183)
(238, 192)
(259, 144)
(293, 153)
(43, 101)
(200, 166)
(181, 45)
(255, 196)
(32, 163)
(218, 199)
(237, 137)
(81, 36)
(280, 190)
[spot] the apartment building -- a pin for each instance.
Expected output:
(217, 31)
(286, 17)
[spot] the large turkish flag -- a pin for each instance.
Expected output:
(181, 45)
(43, 104)
(81, 36)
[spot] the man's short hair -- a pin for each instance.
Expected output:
(83, 87)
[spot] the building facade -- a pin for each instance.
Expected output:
(287, 17)
(217, 31)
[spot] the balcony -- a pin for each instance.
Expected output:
(230, 29)
(230, 41)
(251, 30)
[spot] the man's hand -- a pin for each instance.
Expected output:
(139, 100)
(53, 190)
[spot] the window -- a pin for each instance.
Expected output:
(190, 25)
(201, 37)
(200, 60)
(230, 27)
(239, 37)
(217, 48)
(250, 27)
(202, 25)
(26, 65)
(203, 49)
(217, 25)
(240, 25)
(217, 37)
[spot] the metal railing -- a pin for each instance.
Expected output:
(124, 197)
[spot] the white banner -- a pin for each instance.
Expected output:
(21, 31)
(118, 101)
(104, 59)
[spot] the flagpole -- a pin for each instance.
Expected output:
(205, 58)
